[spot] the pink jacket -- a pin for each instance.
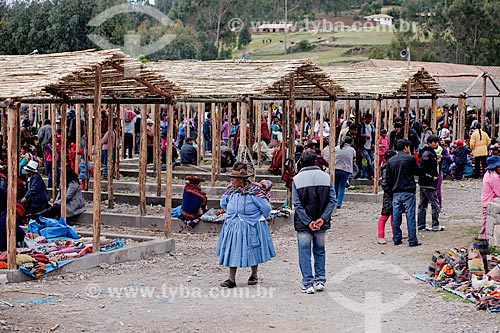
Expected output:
(491, 187)
(383, 144)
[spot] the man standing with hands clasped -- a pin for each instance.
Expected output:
(313, 197)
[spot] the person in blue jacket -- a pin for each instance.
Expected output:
(36, 198)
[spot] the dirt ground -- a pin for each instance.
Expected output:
(369, 287)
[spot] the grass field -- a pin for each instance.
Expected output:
(331, 47)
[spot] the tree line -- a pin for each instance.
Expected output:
(461, 31)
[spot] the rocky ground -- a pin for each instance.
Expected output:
(369, 286)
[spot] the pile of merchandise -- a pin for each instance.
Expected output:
(51, 244)
(469, 273)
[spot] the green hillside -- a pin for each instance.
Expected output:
(334, 47)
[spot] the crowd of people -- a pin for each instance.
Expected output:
(425, 154)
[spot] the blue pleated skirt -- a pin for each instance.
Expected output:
(243, 244)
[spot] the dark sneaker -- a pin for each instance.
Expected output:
(422, 228)
(414, 244)
(228, 284)
(252, 280)
(398, 243)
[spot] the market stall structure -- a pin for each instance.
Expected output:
(70, 78)
(389, 84)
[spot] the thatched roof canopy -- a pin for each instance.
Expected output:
(387, 82)
(232, 79)
(72, 74)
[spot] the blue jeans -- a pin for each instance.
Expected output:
(404, 202)
(368, 155)
(341, 178)
(316, 241)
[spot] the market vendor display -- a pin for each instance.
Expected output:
(50, 244)
(194, 201)
(468, 273)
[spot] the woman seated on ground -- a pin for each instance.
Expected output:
(194, 201)
(3, 227)
(75, 203)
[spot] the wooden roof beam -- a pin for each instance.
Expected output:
(317, 84)
(142, 81)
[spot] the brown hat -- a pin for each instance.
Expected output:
(242, 173)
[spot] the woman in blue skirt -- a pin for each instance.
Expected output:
(245, 239)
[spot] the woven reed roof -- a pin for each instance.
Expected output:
(73, 74)
(389, 81)
(232, 79)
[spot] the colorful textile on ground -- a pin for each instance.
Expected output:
(52, 244)
(256, 189)
(462, 272)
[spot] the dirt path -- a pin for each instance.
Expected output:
(179, 292)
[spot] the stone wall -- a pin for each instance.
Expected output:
(493, 222)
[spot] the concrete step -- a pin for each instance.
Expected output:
(158, 222)
(133, 187)
(133, 199)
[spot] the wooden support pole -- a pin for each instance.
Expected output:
(434, 114)
(85, 143)
(64, 151)
(321, 124)
(157, 144)
(4, 130)
(156, 136)
(455, 119)
(407, 111)
(483, 103)
(53, 116)
(494, 118)
(214, 143)
(143, 158)
(333, 135)
(386, 116)
(188, 118)
(371, 107)
(347, 110)
(376, 163)
(291, 130)
(461, 123)
(88, 146)
(229, 124)
(269, 117)
(78, 122)
(111, 142)
(119, 140)
(168, 177)
(418, 116)
(302, 124)
(284, 136)
(243, 129)
(97, 161)
(220, 119)
(391, 116)
(12, 172)
(258, 108)
(201, 140)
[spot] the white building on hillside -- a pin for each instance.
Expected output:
(382, 19)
